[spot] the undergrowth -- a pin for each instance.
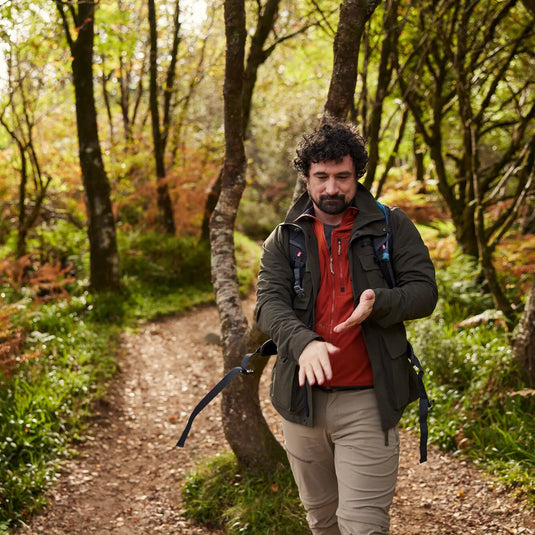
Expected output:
(481, 408)
(43, 402)
(222, 495)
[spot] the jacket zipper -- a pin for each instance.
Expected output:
(333, 290)
(340, 272)
(341, 277)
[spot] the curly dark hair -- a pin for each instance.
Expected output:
(331, 141)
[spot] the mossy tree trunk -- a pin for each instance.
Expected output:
(524, 345)
(353, 16)
(258, 54)
(244, 425)
(340, 99)
(104, 256)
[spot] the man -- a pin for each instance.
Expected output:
(342, 377)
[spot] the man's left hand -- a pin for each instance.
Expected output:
(363, 310)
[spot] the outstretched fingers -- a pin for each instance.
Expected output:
(361, 312)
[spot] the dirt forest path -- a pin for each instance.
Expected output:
(127, 477)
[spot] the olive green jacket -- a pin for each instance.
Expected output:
(289, 319)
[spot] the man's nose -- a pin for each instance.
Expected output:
(331, 187)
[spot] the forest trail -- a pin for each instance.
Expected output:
(127, 477)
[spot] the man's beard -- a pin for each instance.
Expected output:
(332, 204)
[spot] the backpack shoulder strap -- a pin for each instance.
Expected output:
(382, 246)
(298, 258)
(424, 403)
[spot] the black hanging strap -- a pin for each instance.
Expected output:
(424, 404)
(266, 349)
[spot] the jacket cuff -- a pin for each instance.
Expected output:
(301, 341)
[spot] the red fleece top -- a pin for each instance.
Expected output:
(334, 304)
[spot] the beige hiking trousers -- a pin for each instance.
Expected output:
(345, 466)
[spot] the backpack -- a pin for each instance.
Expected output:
(382, 246)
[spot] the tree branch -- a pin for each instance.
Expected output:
(66, 27)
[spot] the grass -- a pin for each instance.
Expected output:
(222, 495)
(44, 403)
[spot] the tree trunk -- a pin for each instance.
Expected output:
(391, 32)
(101, 223)
(353, 16)
(501, 302)
(209, 206)
(23, 138)
(124, 101)
(393, 155)
(165, 203)
(418, 156)
(244, 425)
(22, 229)
(524, 344)
(257, 56)
(105, 95)
(530, 6)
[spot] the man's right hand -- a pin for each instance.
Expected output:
(315, 364)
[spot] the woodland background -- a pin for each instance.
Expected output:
(126, 125)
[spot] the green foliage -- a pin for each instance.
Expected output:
(471, 376)
(161, 274)
(223, 495)
(164, 261)
(248, 261)
(256, 218)
(43, 404)
(62, 240)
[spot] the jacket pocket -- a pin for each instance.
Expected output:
(370, 267)
(400, 378)
(399, 383)
(286, 394)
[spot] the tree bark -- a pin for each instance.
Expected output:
(530, 6)
(419, 171)
(340, 98)
(104, 256)
(165, 203)
(244, 425)
(391, 33)
(524, 344)
(391, 159)
(353, 16)
(256, 57)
